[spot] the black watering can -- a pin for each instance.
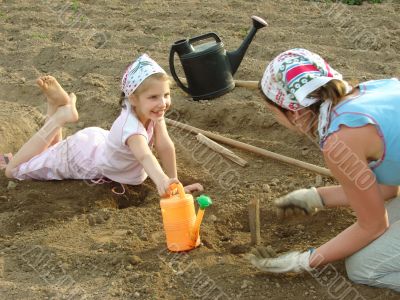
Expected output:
(208, 66)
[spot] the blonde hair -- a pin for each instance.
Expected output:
(144, 86)
(334, 90)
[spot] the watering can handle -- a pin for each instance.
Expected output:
(173, 72)
(180, 188)
(205, 36)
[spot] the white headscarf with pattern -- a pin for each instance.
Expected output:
(291, 76)
(137, 72)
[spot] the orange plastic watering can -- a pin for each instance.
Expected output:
(181, 225)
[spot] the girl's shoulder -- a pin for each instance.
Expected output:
(126, 125)
(370, 95)
(349, 140)
(379, 83)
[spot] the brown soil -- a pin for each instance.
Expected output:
(71, 240)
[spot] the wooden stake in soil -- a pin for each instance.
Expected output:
(1, 267)
(221, 149)
(254, 221)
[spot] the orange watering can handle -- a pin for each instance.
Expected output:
(180, 188)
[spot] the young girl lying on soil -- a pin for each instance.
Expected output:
(122, 154)
(359, 137)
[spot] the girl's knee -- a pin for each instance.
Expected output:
(354, 270)
(358, 270)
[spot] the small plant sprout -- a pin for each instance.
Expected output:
(75, 5)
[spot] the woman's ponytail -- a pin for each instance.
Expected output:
(334, 90)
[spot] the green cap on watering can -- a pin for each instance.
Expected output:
(204, 201)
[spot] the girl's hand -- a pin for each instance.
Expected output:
(195, 187)
(163, 187)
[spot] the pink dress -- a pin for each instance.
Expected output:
(92, 153)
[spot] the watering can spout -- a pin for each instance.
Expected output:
(236, 57)
(204, 202)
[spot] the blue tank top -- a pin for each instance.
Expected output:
(379, 104)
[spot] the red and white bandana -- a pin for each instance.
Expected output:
(291, 76)
(137, 72)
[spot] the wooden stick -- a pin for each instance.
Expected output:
(221, 149)
(244, 146)
(247, 84)
(2, 267)
(254, 221)
(239, 83)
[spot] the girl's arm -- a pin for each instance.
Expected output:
(165, 148)
(166, 151)
(346, 153)
(142, 152)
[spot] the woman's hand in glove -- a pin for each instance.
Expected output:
(266, 260)
(303, 201)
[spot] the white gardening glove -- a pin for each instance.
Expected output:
(303, 201)
(266, 260)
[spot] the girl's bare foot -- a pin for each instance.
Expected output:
(55, 94)
(68, 113)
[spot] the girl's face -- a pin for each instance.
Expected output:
(302, 121)
(153, 102)
(280, 116)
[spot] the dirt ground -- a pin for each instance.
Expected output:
(75, 240)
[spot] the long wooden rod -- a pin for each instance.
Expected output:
(249, 84)
(244, 146)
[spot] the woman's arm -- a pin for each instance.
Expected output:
(165, 148)
(346, 153)
(334, 196)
